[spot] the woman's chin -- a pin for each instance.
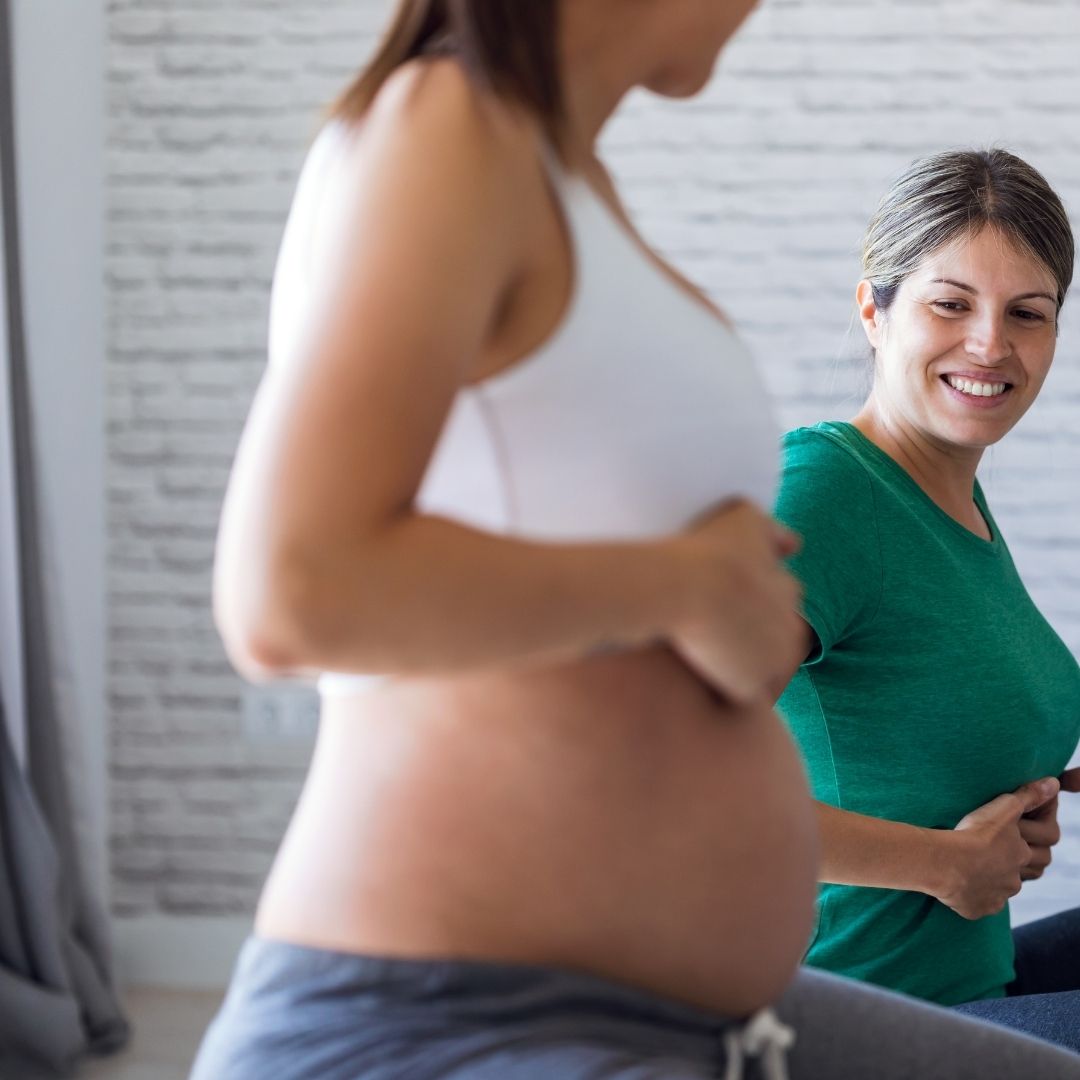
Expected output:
(681, 85)
(976, 434)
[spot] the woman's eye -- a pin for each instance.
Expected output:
(1028, 316)
(950, 306)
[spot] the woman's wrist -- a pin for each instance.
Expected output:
(676, 581)
(942, 856)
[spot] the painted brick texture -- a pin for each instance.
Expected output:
(759, 190)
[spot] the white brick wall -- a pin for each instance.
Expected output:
(759, 190)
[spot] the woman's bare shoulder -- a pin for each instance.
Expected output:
(431, 112)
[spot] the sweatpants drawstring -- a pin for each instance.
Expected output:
(764, 1036)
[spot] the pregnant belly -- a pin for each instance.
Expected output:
(611, 817)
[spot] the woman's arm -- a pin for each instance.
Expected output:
(322, 561)
(862, 850)
(973, 869)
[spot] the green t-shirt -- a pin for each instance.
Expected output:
(936, 686)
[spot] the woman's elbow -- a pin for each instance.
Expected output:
(268, 622)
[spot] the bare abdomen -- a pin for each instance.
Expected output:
(611, 817)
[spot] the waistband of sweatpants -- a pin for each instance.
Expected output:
(268, 968)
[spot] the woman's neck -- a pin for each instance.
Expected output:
(944, 471)
(598, 69)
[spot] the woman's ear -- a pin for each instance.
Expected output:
(873, 320)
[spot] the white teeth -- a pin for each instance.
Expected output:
(975, 389)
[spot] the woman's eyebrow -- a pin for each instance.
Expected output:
(975, 292)
(958, 284)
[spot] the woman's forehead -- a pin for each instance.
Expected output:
(989, 260)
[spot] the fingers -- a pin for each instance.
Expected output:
(1048, 809)
(1044, 832)
(1037, 793)
(786, 542)
(1041, 857)
(1070, 780)
(1013, 805)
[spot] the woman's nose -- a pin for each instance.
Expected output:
(988, 340)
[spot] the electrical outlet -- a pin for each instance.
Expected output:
(280, 714)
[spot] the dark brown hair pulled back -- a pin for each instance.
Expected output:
(508, 46)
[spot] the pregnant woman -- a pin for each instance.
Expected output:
(501, 489)
(936, 707)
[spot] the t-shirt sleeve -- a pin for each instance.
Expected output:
(826, 496)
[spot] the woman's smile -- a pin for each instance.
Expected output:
(977, 393)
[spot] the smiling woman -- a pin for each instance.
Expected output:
(963, 349)
(936, 707)
(967, 262)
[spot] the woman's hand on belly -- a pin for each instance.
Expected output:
(1041, 831)
(987, 853)
(743, 633)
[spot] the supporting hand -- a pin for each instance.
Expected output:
(991, 853)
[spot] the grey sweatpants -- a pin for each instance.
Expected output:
(294, 1013)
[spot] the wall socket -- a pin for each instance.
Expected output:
(280, 714)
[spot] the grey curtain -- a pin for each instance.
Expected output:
(57, 999)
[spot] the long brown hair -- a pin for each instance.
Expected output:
(509, 46)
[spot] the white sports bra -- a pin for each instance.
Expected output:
(637, 415)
